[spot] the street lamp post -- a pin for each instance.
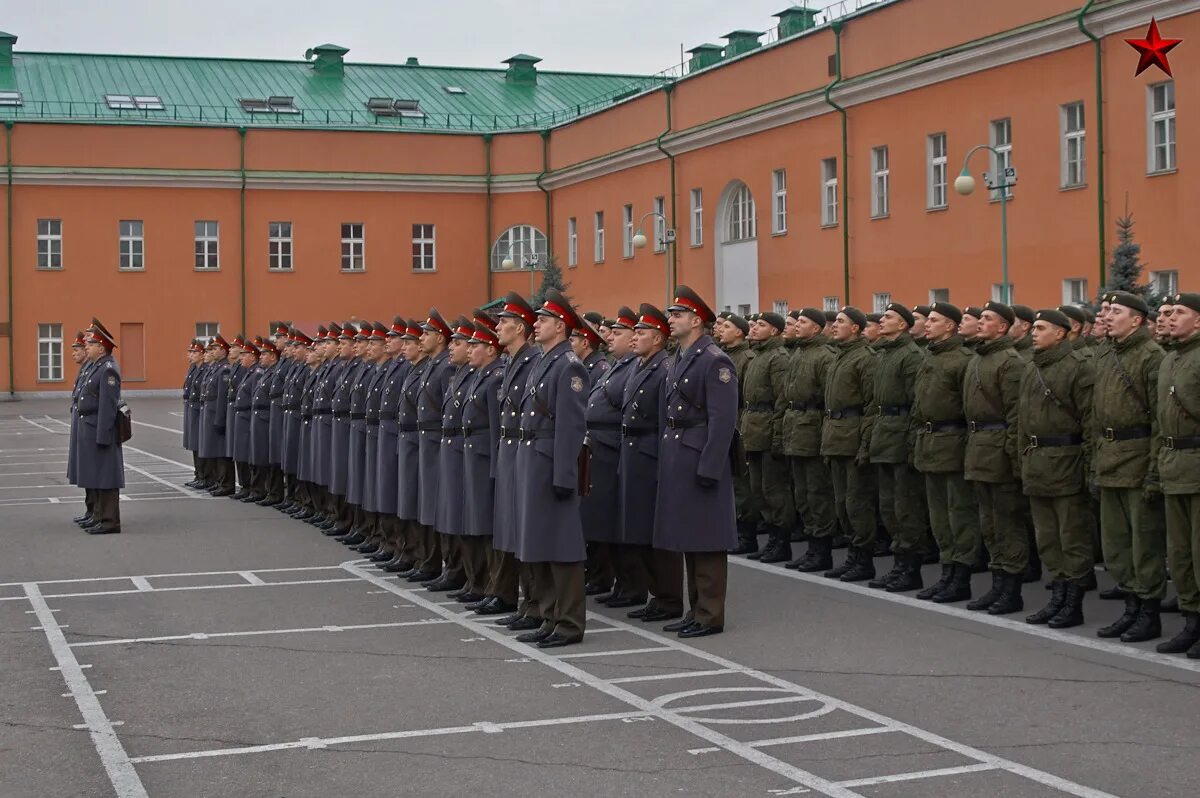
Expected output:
(964, 184)
(530, 260)
(668, 240)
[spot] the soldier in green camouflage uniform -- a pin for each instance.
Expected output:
(731, 331)
(1125, 462)
(845, 440)
(762, 435)
(939, 451)
(991, 394)
(901, 487)
(812, 486)
(1179, 466)
(1023, 344)
(1054, 432)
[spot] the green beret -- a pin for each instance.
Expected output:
(902, 311)
(774, 319)
(1052, 316)
(922, 309)
(737, 321)
(1131, 301)
(855, 315)
(1023, 312)
(1001, 310)
(949, 311)
(1073, 312)
(1189, 300)
(814, 315)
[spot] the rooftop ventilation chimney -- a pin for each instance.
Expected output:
(705, 55)
(7, 40)
(521, 69)
(328, 58)
(741, 41)
(412, 61)
(796, 19)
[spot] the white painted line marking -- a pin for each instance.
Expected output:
(302, 630)
(121, 772)
(141, 583)
(619, 653)
(155, 426)
(1118, 649)
(319, 742)
(186, 587)
(81, 667)
(54, 500)
(921, 774)
(43, 427)
(680, 675)
(804, 738)
(130, 467)
(178, 574)
(251, 577)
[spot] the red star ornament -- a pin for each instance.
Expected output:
(1153, 50)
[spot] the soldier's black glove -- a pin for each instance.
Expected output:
(1151, 492)
(563, 493)
(708, 483)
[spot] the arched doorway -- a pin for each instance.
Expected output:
(737, 250)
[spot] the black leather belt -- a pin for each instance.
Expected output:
(260, 407)
(760, 407)
(452, 432)
(408, 427)
(429, 426)
(1128, 434)
(388, 416)
(535, 434)
(471, 432)
(372, 421)
(684, 423)
(357, 416)
(893, 410)
(945, 426)
(804, 407)
(509, 432)
(321, 412)
(845, 412)
(341, 415)
(603, 426)
(637, 432)
(1188, 442)
(983, 426)
(1042, 441)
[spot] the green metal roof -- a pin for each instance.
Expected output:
(68, 86)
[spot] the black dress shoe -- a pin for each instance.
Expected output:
(656, 614)
(700, 630)
(536, 636)
(595, 589)
(239, 495)
(103, 529)
(382, 556)
(442, 585)
(396, 566)
(682, 623)
(638, 613)
(495, 606)
(90, 523)
(267, 501)
(347, 539)
(603, 598)
(626, 601)
(555, 640)
(457, 594)
(421, 576)
(219, 492)
(79, 519)
(525, 622)
(470, 598)
(474, 605)
(507, 619)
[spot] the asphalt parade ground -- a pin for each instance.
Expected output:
(216, 648)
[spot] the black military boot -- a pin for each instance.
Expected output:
(1071, 613)
(959, 588)
(1170, 605)
(1114, 593)
(1009, 599)
(1148, 625)
(989, 598)
(845, 567)
(1058, 597)
(909, 577)
(818, 557)
(863, 568)
(747, 539)
(1088, 582)
(1033, 569)
(898, 567)
(1188, 637)
(780, 548)
(772, 543)
(1122, 624)
(939, 585)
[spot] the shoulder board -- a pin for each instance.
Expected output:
(571, 356)
(713, 349)
(108, 364)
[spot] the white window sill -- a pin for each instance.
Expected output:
(778, 233)
(353, 271)
(47, 382)
(599, 262)
(1073, 187)
(881, 216)
(1161, 172)
(937, 208)
(48, 268)
(696, 246)
(1010, 198)
(198, 269)
(829, 225)
(279, 271)
(131, 269)
(424, 271)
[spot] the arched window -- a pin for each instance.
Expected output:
(524, 245)
(743, 225)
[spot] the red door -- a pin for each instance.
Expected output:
(131, 352)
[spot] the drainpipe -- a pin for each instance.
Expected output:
(836, 26)
(545, 134)
(1100, 224)
(242, 222)
(487, 159)
(673, 276)
(12, 328)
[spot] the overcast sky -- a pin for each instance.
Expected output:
(627, 36)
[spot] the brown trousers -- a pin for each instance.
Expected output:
(707, 580)
(654, 571)
(531, 588)
(474, 551)
(430, 558)
(452, 555)
(107, 507)
(503, 575)
(561, 600)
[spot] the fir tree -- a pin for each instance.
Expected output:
(552, 277)
(1125, 268)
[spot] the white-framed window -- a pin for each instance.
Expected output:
(880, 301)
(998, 293)
(660, 224)
(831, 303)
(1001, 141)
(524, 245)
(206, 331)
(779, 201)
(424, 248)
(935, 173)
(697, 201)
(1165, 282)
(50, 353)
(1074, 140)
(354, 247)
(598, 237)
(744, 310)
(939, 295)
(279, 246)
(879, 182)
(829, 192)
(1161, 134)
(49, 243)
(743, 224)
(208, 249)
(1075, 291)
(131, 245)
(627, 231)
(572, 242)
(780, 306)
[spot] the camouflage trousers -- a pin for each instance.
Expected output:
(1063, 527)
(1183, 547)
(1134, 539)
(1002, 522)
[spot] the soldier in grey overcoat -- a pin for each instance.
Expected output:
(449, 514)
(386, 453)
(435, 381)
(276, 481)
(241, 417)
(360, 379)
(189, 441)
(350, 345)
(194, 403)
(260, 421)
(99, 465)
(321, 441)
(481, 436)
(549, 531)
(237, 372)
(213, 418)
(79, 355)
(408, 460)
(695, 512)
(369, 490)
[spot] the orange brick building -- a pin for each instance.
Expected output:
(811, 164)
